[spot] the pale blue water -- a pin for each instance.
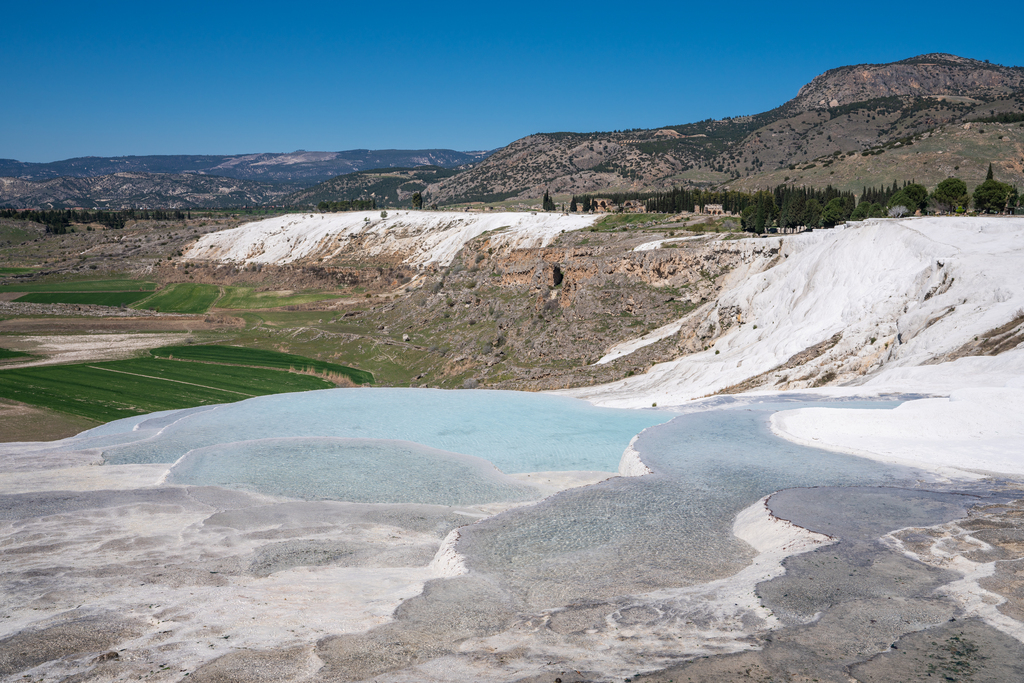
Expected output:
(344, 444)
(671, 528)
(432, 446)
(518, 432)
(622, 536)
(354, 470)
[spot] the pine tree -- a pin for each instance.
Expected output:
(988, 176)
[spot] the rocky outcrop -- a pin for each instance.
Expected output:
(926, 75)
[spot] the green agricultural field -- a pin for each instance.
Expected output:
(94, 298)
(16, 271)
(82, 286)
(242, 298)
(185, 297)
(117, 389)
(259, 358)
(7, 353)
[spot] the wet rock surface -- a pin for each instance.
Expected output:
(861, 609)
(956, 651)
(70, 636)
(593, 584)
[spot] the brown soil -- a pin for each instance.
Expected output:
(149, 324)
(21, 422)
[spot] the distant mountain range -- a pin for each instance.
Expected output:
(141, 191)
(193, 181)
(300, 168)
(922, 119)
(386, 186)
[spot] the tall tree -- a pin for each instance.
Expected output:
(834, 212)
(991, 195)
(793, 210)
(913, 196)
(812, 213)
(761, 214)
(988, 176)
(951, 194)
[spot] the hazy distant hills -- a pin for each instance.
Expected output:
(386, 186)
(140, 191)
(300, 168)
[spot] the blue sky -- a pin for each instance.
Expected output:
(118, 78)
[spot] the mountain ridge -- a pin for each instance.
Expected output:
(845, 110)
(140, 191)
(300, 167)
(849, 113)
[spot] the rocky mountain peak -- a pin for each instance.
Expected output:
(936, 74)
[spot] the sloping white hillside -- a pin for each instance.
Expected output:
(419, 237)
(901, 295)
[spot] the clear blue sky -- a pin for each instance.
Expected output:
(119, 78)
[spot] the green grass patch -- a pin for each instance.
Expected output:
(94, 298)
(16, 271)
(12, 233)
(260, 358)
(243, 298)
(281, 318)
(615, 221)
(82, 286)
(7, 353)
(184, 297)
(117, 389)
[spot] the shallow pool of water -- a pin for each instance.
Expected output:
(516, 431)
(352, 470)
(671, 528)
(615, 560)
